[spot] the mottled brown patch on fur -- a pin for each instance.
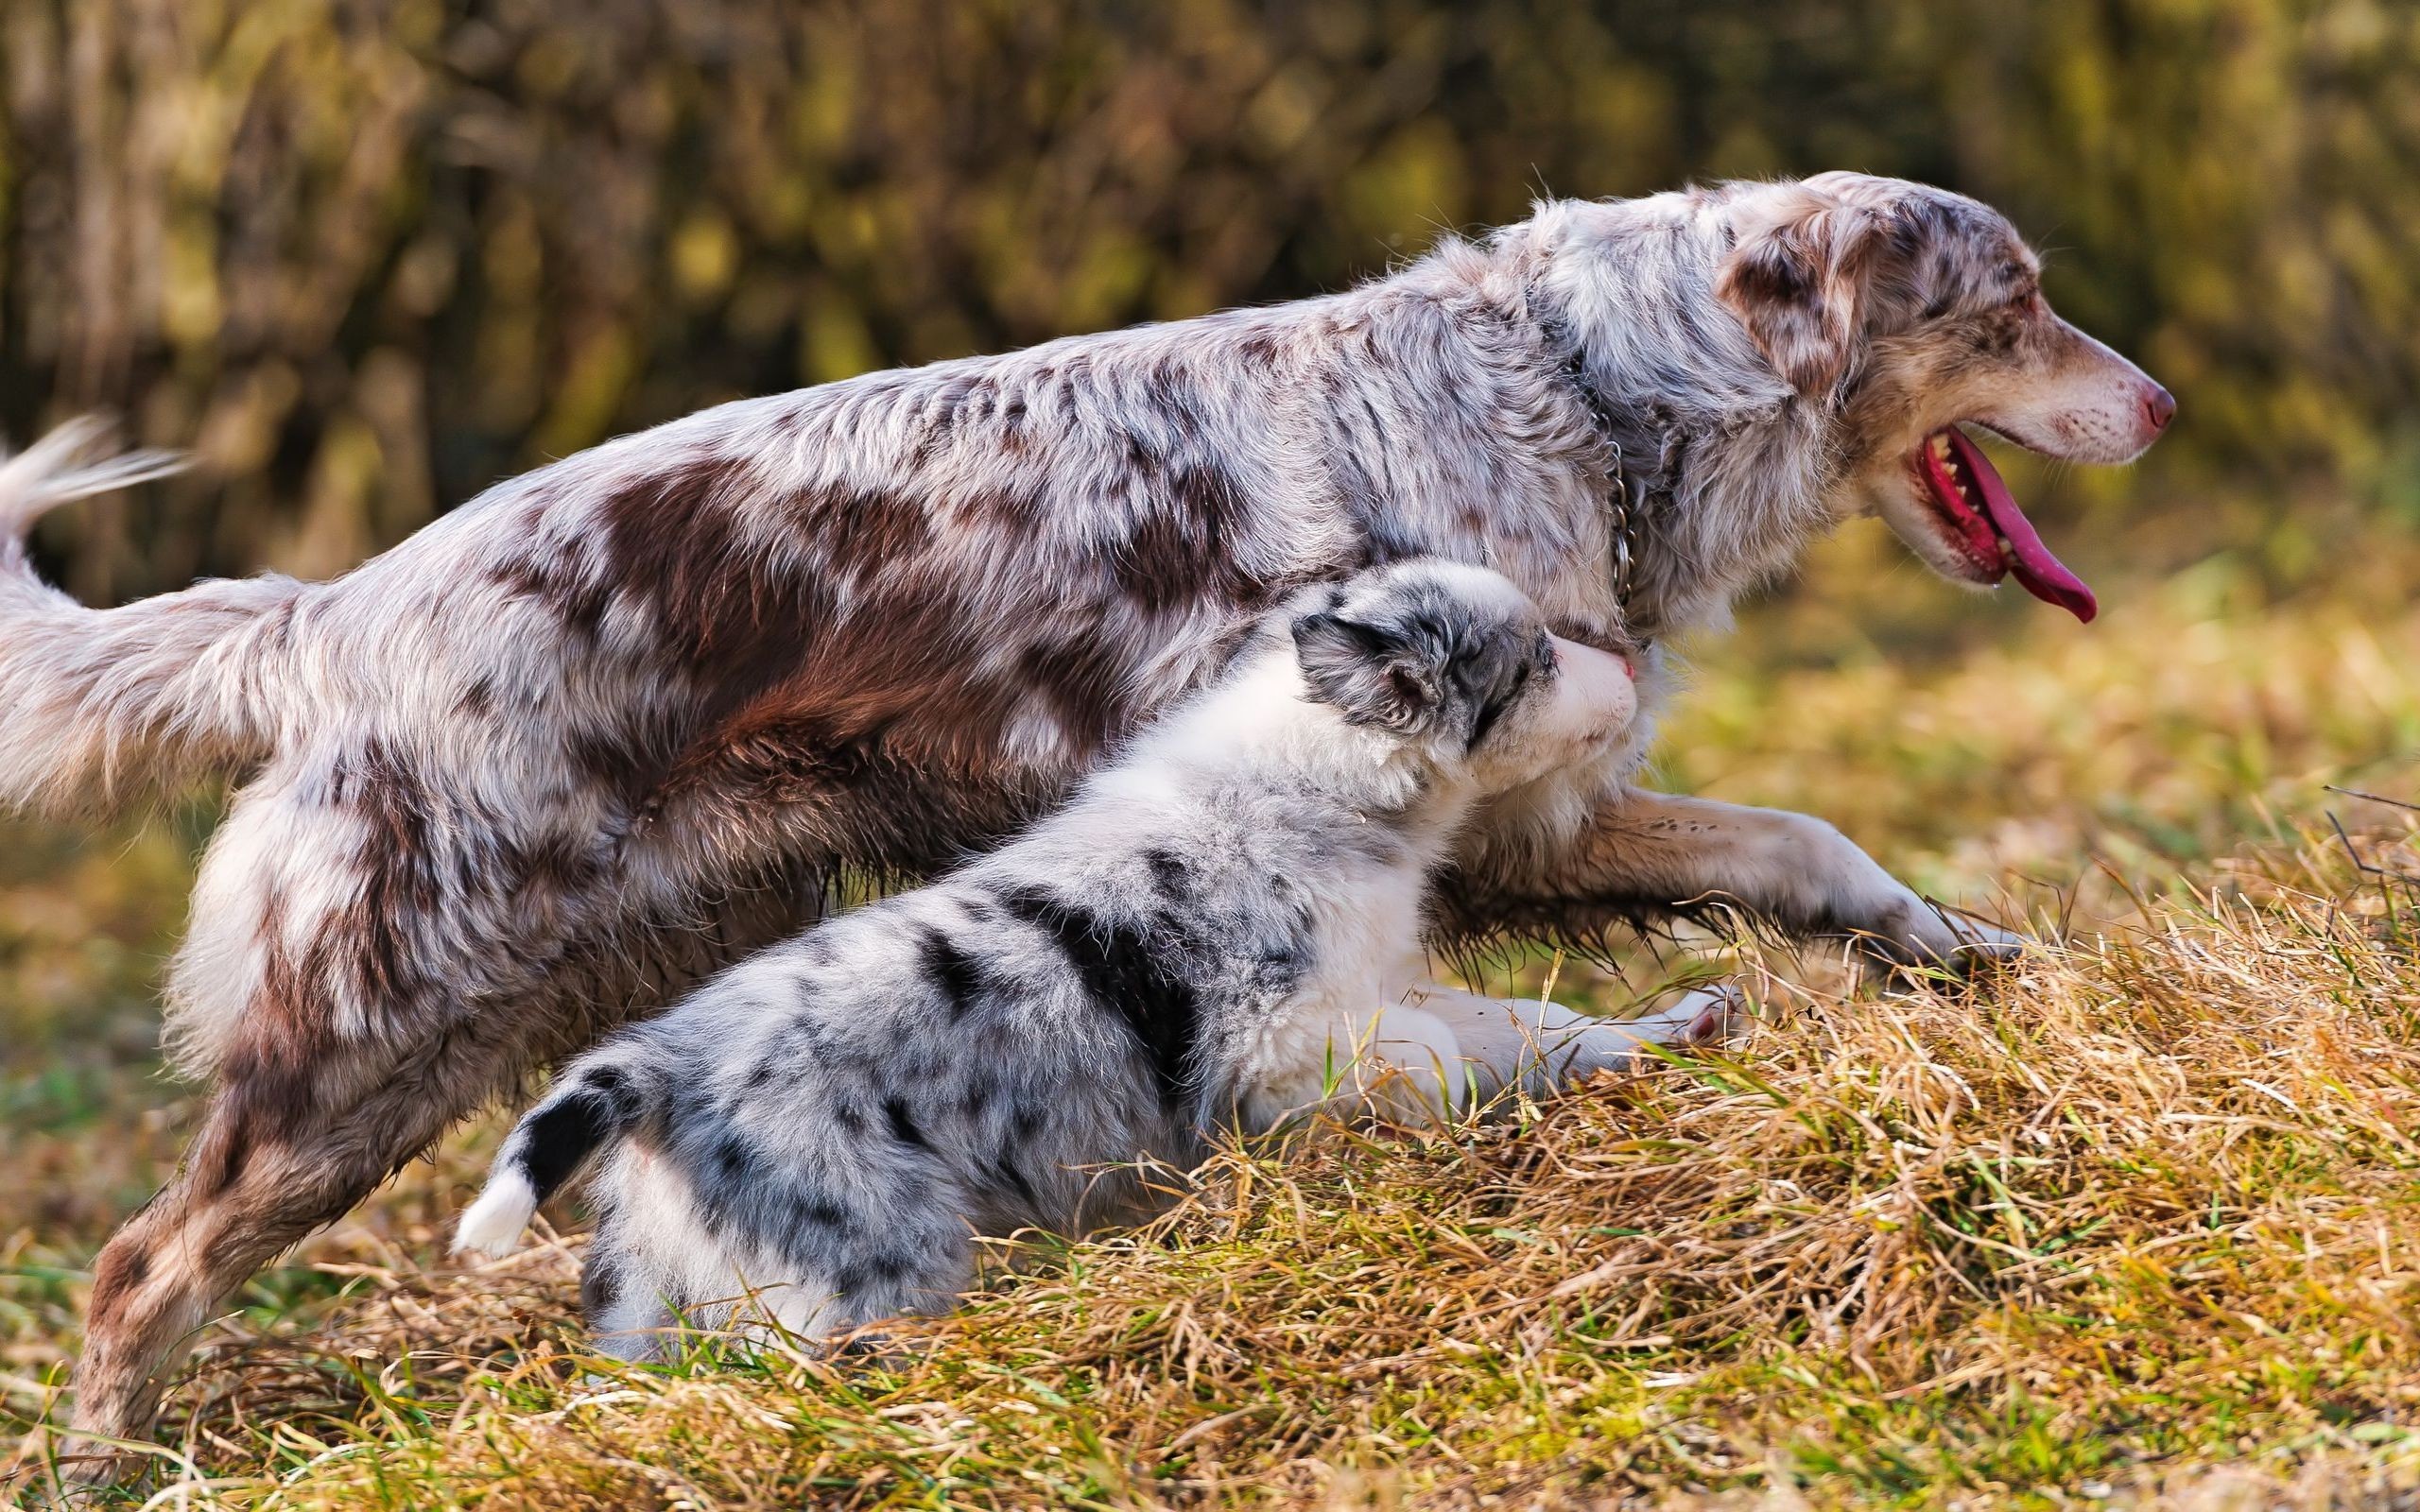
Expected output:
(1079, 673)
(116, 1276)
(367, 950)
(1261, 348)
(578, 596)
(269, 1095)
(552, 865)
(1015, 511)
(892, 686)
(280, 1005)
(965, 403)
(862, 531)
(1182, 549)
(673, 545)
(1009, 431)
(732, 616)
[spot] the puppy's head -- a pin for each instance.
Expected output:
(1911, 314)
(1457, 663)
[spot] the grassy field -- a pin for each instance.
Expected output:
(2138, 1225)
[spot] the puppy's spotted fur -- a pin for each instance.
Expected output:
(1221, 926)
(612, 725)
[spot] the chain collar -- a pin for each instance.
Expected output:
(1626, 495)
(1621, 501)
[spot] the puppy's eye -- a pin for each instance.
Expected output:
(1549, 660)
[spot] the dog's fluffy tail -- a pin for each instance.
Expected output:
(595, 1104)
(99, 707)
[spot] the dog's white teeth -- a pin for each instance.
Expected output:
(2008, 551)
(1941, 446)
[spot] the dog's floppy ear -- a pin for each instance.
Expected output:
(1796, 277)
(1370, 675)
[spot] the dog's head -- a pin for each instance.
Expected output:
(1909, 313)
(1457, 663)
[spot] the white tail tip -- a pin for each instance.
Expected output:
(493, 1224)
(72, 462)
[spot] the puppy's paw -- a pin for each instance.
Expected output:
(1700, 1018)
(1717, 1015)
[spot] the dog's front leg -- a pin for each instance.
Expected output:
(1441, 1051)
(1652, 855)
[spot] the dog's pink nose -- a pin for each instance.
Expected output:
(2159, 407)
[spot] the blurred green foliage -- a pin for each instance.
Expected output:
(369, 255)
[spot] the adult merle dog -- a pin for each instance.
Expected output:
(614, 723)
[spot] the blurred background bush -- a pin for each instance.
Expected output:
(368, 257)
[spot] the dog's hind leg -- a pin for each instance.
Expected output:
(309, 989)
(290, 1143)
(826, 1254)
(356, 987)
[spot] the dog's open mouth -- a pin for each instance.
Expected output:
(1986, 522)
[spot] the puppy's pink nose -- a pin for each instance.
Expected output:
(2159, 407)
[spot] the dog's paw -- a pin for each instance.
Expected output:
(1918, 940)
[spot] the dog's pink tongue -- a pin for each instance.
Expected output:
(2044, 575)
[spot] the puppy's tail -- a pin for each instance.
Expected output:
(593, 1106)
(102, 706)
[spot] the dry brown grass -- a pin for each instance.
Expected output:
(2138, 1225)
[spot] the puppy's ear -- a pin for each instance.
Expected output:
(1367, 675)
(1796, 277)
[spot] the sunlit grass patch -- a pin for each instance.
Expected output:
(2150, 1201)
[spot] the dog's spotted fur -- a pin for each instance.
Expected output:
(1220, 927)
(614, 723)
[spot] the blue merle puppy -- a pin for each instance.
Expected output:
(1221, 929)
